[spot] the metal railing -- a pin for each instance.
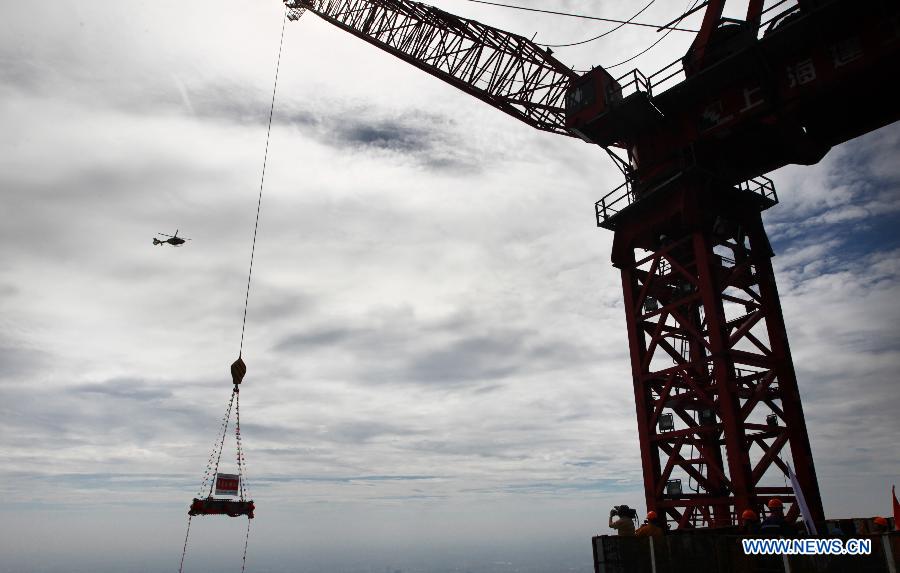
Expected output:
(762, 186)
(662, 78)
(623, 196)
(634, 82)
(673, 73)
(613, 203)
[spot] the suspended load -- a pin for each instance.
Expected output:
(225, 493)
(225, 487)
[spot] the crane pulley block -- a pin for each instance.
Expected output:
(238, 371)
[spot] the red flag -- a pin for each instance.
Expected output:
(896, 508)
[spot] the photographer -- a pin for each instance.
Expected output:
(624, 523)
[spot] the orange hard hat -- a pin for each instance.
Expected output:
(652, 514)
(774, 502)
(749, 514)
(881, 521)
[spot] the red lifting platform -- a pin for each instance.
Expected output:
(213, 506)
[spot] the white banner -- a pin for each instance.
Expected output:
(801, 501)
(227, 484)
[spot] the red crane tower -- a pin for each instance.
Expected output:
(715, 390)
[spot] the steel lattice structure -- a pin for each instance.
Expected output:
(505, 70)
(709, 350)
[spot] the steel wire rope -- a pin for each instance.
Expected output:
(246, 541)
(241, 458)
(554, 12)
(222, 443)
(235, 394)
(606, 33)
(651, 46)
(215, 448)
(262, 180)
(184, 551)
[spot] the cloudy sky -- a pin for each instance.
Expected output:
(438, 373)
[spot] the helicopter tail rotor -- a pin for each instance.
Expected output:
(157, 241)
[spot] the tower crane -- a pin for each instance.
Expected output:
(712, 371)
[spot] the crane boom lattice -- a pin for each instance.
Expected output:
(505, 70)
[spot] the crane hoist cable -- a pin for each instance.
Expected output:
(599, 19)
(606, 33)
(234, 485)
(685, 13)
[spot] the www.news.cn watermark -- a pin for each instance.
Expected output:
(807, 546)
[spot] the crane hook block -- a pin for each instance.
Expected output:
(238, 370)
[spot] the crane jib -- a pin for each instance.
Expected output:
(505, 70)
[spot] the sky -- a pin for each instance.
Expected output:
(438, 375)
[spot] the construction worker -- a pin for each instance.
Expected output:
(774, 525)
(879, 525)
(650, 527)
(623, 524)
(749, 523)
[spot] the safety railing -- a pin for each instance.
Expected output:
(623, 196)
(673, 73)
(667, 76)
(762, 186)
(613, 203)
(634, 82)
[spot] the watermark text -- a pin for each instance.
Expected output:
(807, 546)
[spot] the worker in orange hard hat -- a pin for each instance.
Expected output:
(879, 525)
(651, 527)
(749, 522)
(775, 524)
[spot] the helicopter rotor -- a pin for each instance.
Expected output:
(175, 236)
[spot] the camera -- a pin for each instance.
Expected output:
(624, 511)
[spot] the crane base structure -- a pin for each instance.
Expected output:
(714, 385)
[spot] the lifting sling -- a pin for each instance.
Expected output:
(220, 484)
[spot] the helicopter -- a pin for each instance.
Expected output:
(173, 240)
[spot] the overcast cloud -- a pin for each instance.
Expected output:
(438, 367)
